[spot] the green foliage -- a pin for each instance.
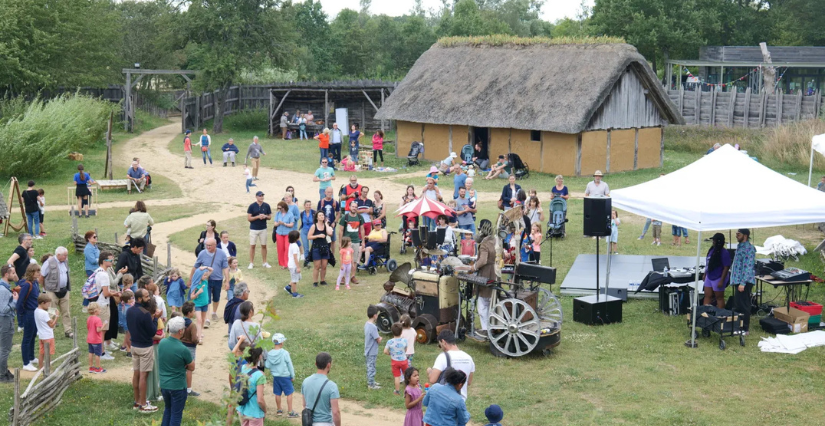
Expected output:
(267, 75)
(503, 40)
(11, 108)
(34, 142)
(247, 120)
(151, 34)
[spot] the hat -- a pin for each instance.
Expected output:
(278, 338)
(376, 222)
(494, 413)
(598, 173)
(259, 194)
(433, 169)
(453, 154)
(744, 231)
(188, 132)
(718, 237)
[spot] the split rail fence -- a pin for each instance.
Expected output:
(746, 110)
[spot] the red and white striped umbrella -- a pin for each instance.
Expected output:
(425, 207)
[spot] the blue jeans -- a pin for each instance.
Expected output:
(676, 230)
(248, 184)
(231, 292)
(207, 153)
(34, 223)
(430, 223)
(303, 135)
(322, 192)
(29, 333)
(371, 369)
(305, 241)
(324, 154)
(335, 150)
(6, 337)
(647, 225)
(174, 401)
(470, 227)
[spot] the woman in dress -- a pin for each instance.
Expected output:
(559, 190)
(318, 234)
(284, 222)
(82, 181)
(716, 275)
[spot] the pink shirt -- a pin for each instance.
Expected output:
(93, 336)
(346, 255)
(377, 142)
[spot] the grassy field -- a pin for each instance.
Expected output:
(636, 372)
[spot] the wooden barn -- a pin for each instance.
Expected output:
(564, 108)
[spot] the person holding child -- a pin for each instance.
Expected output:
(279, 364)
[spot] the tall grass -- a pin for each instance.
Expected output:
(253, 119)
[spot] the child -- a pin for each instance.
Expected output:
(126, 302)
(378, 148)
(396, 348)
(471, 171)
(94, 338)
(412, 398)
(494, 415)
(199, 294)
(614, 231)
(302, 127)
(532, 194)
(32, 260)
(657, 231)
(128, 283)
(280, 365)
(468, 245)
(175, 289)
(473, 199)
(248, 176)
(190, 340)
(41, 204)
(535, 235)
(153, 289)
(45, 325)
(253, 412)
(294, 263)
(371, 342)
(353, 152)
(409, 334)
(820, 186)
(346, 262)
(235, 276)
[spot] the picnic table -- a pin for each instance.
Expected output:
(71, 199)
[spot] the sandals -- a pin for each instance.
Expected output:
(69, 334)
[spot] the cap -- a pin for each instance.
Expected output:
(718, 237)
(494, 413)
(376, 222)
(744, 231)
(598, 173)
(278, 338)
(259, 194)
(453, 154)
(433, 169)
(188, 132)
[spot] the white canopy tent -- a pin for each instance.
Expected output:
(723, 190)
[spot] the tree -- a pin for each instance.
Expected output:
(151, 35)
(227, 37)
(468, 20)
(314, 40)
(351, 43)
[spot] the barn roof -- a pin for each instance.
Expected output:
(545, 87)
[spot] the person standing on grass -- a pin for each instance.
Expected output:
(143, 329)
(284, 222)
(444, 402)
(458, 360)
(174, 364)
(280, 366)
(318, 234)
(8, 310)
(257, 214)
(55, 281)
(459, 180)
(253, 154)
(509, 194)
(560, 189)
(190, 340)
(187, 150)
(254, 411)
(352, 226)
(742, 276)
(218, 279)
(230, 150)
(324, 175)
(206, 147)
(284, 124)
(227, 247)
(307, 219)
(82, 181)
(26, 304)
(597, 188)
(323, 143)
(332, 210)
(371, 342)
(94, 338)
(232, 311)
(321, 394)
(378, 148)
(32, 210)
(104, 299)
(294, 263)
(336, 140)
(718, 263)
(432, 192)
(20, 256)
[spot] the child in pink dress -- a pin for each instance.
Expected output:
(346, 262)
(412, 399)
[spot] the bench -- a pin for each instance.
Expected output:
(112, 184)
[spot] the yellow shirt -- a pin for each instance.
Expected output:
(235, 277)
(375, 235)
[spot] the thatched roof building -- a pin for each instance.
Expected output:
(558, 106)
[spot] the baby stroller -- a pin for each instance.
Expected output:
(467, 152)
(408, 226)
(558, 218)
(518, 167)
(416, 149)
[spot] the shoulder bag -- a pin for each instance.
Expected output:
(306, 415)
(442, 378)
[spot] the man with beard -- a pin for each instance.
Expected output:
(139, 321)
(485, 267)
(350, 193)
(130, 258)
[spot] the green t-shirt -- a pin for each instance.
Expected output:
(172, 360)
(203, 299)
(323, 173)
(351, 226)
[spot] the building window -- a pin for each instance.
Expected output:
(535, 135)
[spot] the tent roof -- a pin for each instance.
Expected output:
(724, 190)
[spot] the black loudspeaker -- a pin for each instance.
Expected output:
(588, 311)
(597, 216)
(416, 237)
(619, 293)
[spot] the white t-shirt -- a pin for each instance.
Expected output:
(224, 248)
(102, 280)
(409, 335)
(293, 250)
(247, 174)
(592, 190)
(41, 319)
(162, 305)
(458, 360)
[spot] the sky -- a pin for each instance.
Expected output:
(552, 11)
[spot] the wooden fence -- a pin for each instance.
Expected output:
(199, 109)
(747, 110)
(40, 398)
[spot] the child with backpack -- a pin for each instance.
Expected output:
(251, 402)
(280, 366)
(175, 289)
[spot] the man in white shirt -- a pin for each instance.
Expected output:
(459, 360)
(104, 292)
(597, 188)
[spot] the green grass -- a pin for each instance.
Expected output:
(94, 161)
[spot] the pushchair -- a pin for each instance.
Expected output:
(518, 167)
(558, 218)
(416, 150)
(408, 226)
(467, 152)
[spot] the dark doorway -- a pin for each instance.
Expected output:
(482, 135)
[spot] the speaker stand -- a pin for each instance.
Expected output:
(598, 266)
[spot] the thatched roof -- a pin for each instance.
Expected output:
(554, 88)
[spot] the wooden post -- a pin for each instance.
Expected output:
(746, 121)
(155, 265)
(108, 167)
(168, 254)
(732, 107)
(698, 114)
(763, 96)
(681, 100)
(47, 359)
(15, 421)
(713, 95)
(779, 108)
(271, 102)
(240, 98)
(768, 71)
(382, 104)
(74, 332)
(127, 103)
(817, 103)
(799, 105)
(326, 109)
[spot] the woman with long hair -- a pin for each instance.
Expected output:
(211, 231)
(378, 208)
(82, 181)
(409, 197)
(284, 222)
(26, 304)
(716, 273)
(318, 234)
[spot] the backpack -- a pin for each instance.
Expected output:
(442, 378)
(245, 395)
(90, 290)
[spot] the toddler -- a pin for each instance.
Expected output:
(657, 231)
(535, 235)
(371, 341)
(494, 415)
(94, 338)
(153, 289)
(408, 333)
(396, 348)
(41, 204)
(346, 262)
(614, 231)
(248, 176)
(235, 276)
(412, 398)
(175, 289)
(127, 300)
(532, 194)
(45, 325)
(471, 171)
(280, 365)
(127, 282)
(294, 263)
(468, 245)
(353, 152)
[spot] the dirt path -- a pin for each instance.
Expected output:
(206, 185)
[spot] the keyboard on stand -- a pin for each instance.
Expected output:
(473, 279)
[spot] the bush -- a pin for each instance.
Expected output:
(34, 142)
(249, 120)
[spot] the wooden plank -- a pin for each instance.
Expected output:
(382, 104)
(681, 96)
(799, 105)
(745, 122)
(698, 112)
(732, 108)
(371, 102)
(713, 108)
(15, 420)
(762, 101)
(779, 108)
(817, 103)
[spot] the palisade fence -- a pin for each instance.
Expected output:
(199, 109)
(746, 110)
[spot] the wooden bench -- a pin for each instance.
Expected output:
(112, 184)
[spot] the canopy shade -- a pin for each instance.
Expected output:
(424, 206)
(724, 190)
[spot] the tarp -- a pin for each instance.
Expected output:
(723, 190)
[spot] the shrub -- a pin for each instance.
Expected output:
(34, 142)
(251, 120)
(791, 144)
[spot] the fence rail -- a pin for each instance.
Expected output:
(747, 110)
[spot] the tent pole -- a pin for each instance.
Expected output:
(811, 166)
(695, 293)
(607, 277)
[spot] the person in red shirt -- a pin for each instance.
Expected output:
(323, 143)
(94, 338)
(187, 151)
(350, 193)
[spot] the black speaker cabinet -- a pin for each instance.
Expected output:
(619, 293)
(597, 216)
(587, 310)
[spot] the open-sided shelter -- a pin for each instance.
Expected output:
(564, 108)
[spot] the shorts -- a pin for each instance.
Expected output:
(192, 350)
(257, 236)
(143, 359)
(676, 230)
(294, 277)
(43, 346)
(203, 308)
(716, 285)
(398, 367)
(105, 316)
(253, 421)
(282, 385)
(96, 349)
(41, 217)
(504, 175)
(215, 288)
(657, 231)
(356, 253)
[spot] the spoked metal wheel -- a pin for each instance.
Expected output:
(549, 308)
(514, 327)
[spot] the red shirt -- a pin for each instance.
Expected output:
(92, 335)
(187, 144)
(323, 141)
(349, 190)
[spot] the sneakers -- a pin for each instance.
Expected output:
(348, 288)
(293, 415)
(251, 265)
(297, 295)
(288, 289)
(92, 370)
(100, 370)
(35, 361)
(267, 265)
(315, 284)
(29, 367)
(206, 324)
(123, 349)
(193, 393)
(113, 347)
(20, 329)
(106, 357)
(323, 283)
(135, 406)
(148, 408)
(658, 244)
(214, 316)
(373, 387)
(279, 413)
(128, 354)
(641, 237)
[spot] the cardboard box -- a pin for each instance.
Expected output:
(797, 320)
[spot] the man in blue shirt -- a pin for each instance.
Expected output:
(444, 403)
(336, 136)
(322, 394)
(218, 279)
(135, 176)
(465, 209)
(459, 180)
(230, 150)
(8, 302)
(742, 276)
(257, 214)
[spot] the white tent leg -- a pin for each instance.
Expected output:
(695, 292)
(811, 166)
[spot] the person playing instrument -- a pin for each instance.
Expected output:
(485, 267)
